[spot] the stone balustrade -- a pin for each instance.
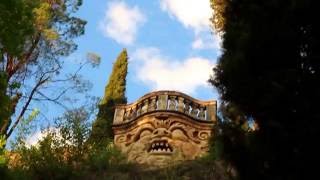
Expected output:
(166, 101)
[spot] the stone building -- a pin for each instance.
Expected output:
(164, 127)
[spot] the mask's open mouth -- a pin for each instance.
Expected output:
(160, 147)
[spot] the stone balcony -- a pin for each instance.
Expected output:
(164, 127)
(166, 101)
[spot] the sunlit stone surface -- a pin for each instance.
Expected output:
(164, 127)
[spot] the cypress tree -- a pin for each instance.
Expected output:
(114, 94)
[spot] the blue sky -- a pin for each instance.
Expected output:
(169, 42)
(170, 46)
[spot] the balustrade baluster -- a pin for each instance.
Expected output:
(144, 108)
(153, 104)
(172, 103)
(180, 104)
(162, 102)
(127, 115)
(202, 113)
(194, 111)
(134, 112)
(139, 106)
(187, 106)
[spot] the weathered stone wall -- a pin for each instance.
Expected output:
(164, 127)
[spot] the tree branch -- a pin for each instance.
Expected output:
(40, 82)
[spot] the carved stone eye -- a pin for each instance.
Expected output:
(145, 132)
(179, 134)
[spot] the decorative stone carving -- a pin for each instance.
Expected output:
(158, 142)
(170, 132)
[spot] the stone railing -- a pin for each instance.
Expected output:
(166, 101)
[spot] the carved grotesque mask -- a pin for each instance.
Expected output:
(163, 138)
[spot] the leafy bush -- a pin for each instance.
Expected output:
(63, 152)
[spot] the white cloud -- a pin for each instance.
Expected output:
(34, 138)
(206, 41)
(194, 14)
(121, 22)
(162, 73)
(191, 13)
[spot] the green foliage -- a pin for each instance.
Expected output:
(2, 148)
(16, 25)
(63, 153)
(270, 68)
(114, 94)
(116, 88)
(4, 99)
(33, 37)
(94, 59)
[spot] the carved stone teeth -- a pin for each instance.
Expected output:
(157, 144)
(167, 145)
(161, 144)
(153, 145)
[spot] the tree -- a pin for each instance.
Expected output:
(33, 37)
(61, 153)
(269, 68)
(218, 6)
(114, 94)
(4, 101)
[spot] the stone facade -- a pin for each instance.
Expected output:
(164, 127)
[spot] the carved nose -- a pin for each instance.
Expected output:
(161, 132)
